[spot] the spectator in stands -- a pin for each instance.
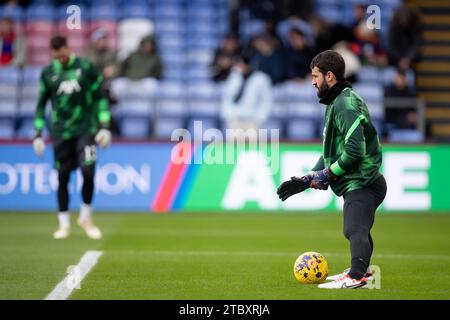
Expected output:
(328, 34)
(102, 57)
(141, 68)
(267, 58)
(297, 56)
(367, 46)
(247, 97)
(404, 37)
(399, 87)
(400, 118)
(224, 57)
(359, 14)
(12, 45)
(143, 63)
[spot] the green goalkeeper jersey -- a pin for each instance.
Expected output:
(79, 106)
(351, 147)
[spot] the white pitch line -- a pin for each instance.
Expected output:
(63, 289)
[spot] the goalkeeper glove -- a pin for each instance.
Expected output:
(321, 179)
(293, 186)
(103, 137)
(38, 145)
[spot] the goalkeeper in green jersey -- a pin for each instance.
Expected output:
(79, 119)
(349, 164)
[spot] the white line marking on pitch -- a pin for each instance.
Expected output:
(63, 289)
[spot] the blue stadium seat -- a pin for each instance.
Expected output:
(369, 74)
(331, 13)
(405, 135)
(165, 126)
(131, 11)
(202, 41)
(40, 13)
(7, 127)
(9, 75)
(26, 129)
(204, 90)
(14, 12)
(274, 123)
(174, 74)
(205, 122)
(301, 129)
(31, 74)
(198, 73)
(171, 89)
(135, 127)
(300, 92)
(169, 27)
(369, 92)
(169, 10)
(108, 12)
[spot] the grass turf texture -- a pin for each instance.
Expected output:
(220, 256)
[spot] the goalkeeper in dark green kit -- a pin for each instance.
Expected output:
(349, 164)
(79, 119)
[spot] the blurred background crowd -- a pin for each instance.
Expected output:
(231, 63)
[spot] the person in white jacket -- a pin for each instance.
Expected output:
(247, 97)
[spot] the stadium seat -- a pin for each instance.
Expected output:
(203, 121)
(369, 92)
(171, 89)
(26, 128)
(135, 127)
(135, 10)
(9, 75)
(7, 127)
(164, 126)
(104, 12)
(40, 12)
(405, 136)
(369, 74)
(14, 12)
(301, 129)
(300, 92)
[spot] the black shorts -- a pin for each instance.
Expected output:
(72, 153)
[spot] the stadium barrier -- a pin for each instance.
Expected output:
(143, 177)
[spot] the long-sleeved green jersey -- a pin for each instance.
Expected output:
(78, 102)
(351, 147)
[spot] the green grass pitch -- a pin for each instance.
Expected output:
(220, 256)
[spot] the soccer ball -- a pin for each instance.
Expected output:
(311, 267)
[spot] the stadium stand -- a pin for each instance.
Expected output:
(187, 33)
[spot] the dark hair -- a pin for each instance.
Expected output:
(329, 60)
(58, 42)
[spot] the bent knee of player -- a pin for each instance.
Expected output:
(356, 231)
